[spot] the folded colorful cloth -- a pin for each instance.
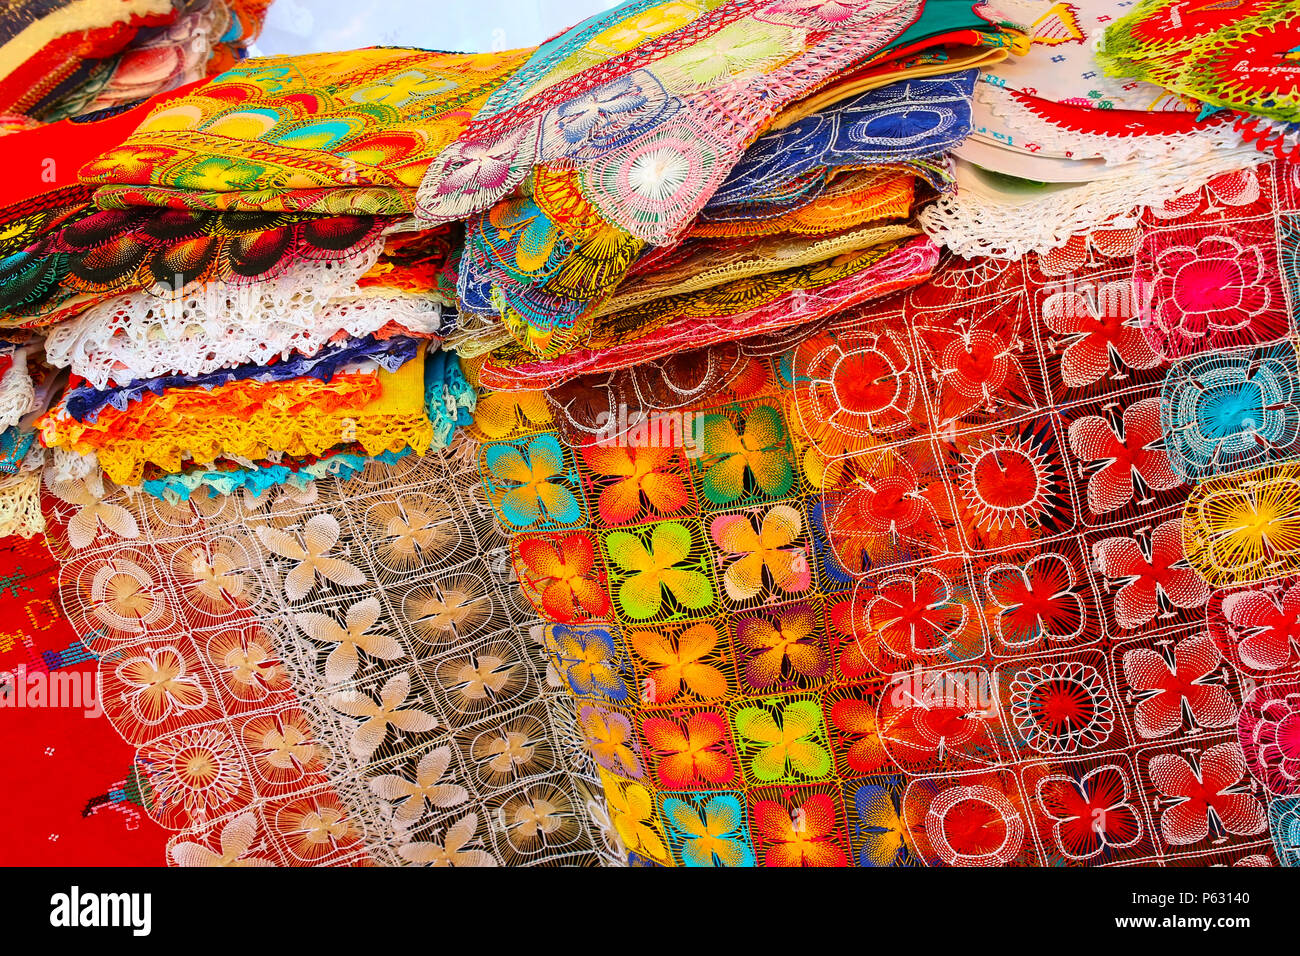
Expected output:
(1241, 56)
(84, 402)
(331, 133)
(250, 420)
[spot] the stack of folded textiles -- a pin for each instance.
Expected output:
(63, 58)
(221, 321)
(248, 281)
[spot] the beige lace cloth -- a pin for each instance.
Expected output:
(337, 676)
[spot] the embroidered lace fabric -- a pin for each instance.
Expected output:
(546, 260)
(295, 473)
(734, 311)
(20, 504)
(17, 393)
(110, 252)
(329, 133)
(765, 55)
(381, 413)
(84, 403)
(157, 59)
(1238, 57)
(987, 217)
(41, 42)
(145, 336)
(735, 432)
(767, 570)
(353, 660)
(197, 407)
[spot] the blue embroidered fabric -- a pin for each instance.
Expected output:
(15, 443)
(180, 487)
(449, 398)
(896, 123)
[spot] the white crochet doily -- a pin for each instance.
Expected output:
(142, 335)
(985, 217)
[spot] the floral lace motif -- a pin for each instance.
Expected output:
(981, 220)
(804, 597)
(352, 661)
(143, 336)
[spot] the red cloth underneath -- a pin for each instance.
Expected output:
(57, 760)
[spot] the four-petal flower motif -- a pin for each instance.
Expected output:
(410, 796)
(1038, 601)
(1120, 460)
(1213, 786)
(757, 457)
(666, 565)
(1164, 689)
(805, 836)
(563, 575)
(794, 747)
(529, 486)
(378, 716)
(1144, 578)
(711, 833)
(350, 638)
(769, 551)
(1090, 814)
(691, 754)
(1100, 332)
(310, 551)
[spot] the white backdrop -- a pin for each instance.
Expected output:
(308, 26)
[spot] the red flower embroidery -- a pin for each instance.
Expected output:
(1097, 328)
(1162, 688)
(693, 756)
(912, 618)
(1037, 601)
(1218, 285)
(1147, 580)
(802, 838)
(1090, 814)
(561, 574)
(1211, 787)
(1127, 459)
(1264, 624)
(1269, 732)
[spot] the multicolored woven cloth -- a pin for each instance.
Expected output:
(931, 582)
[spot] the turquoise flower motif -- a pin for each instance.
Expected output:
(531, 487)
(1230, 410)
(1284, 824)
(708, 830)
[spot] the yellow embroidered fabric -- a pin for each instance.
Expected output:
(387, 415)
(327, 133)
(716, 263)
(198, 405)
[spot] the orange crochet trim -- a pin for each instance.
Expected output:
(197, 408)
